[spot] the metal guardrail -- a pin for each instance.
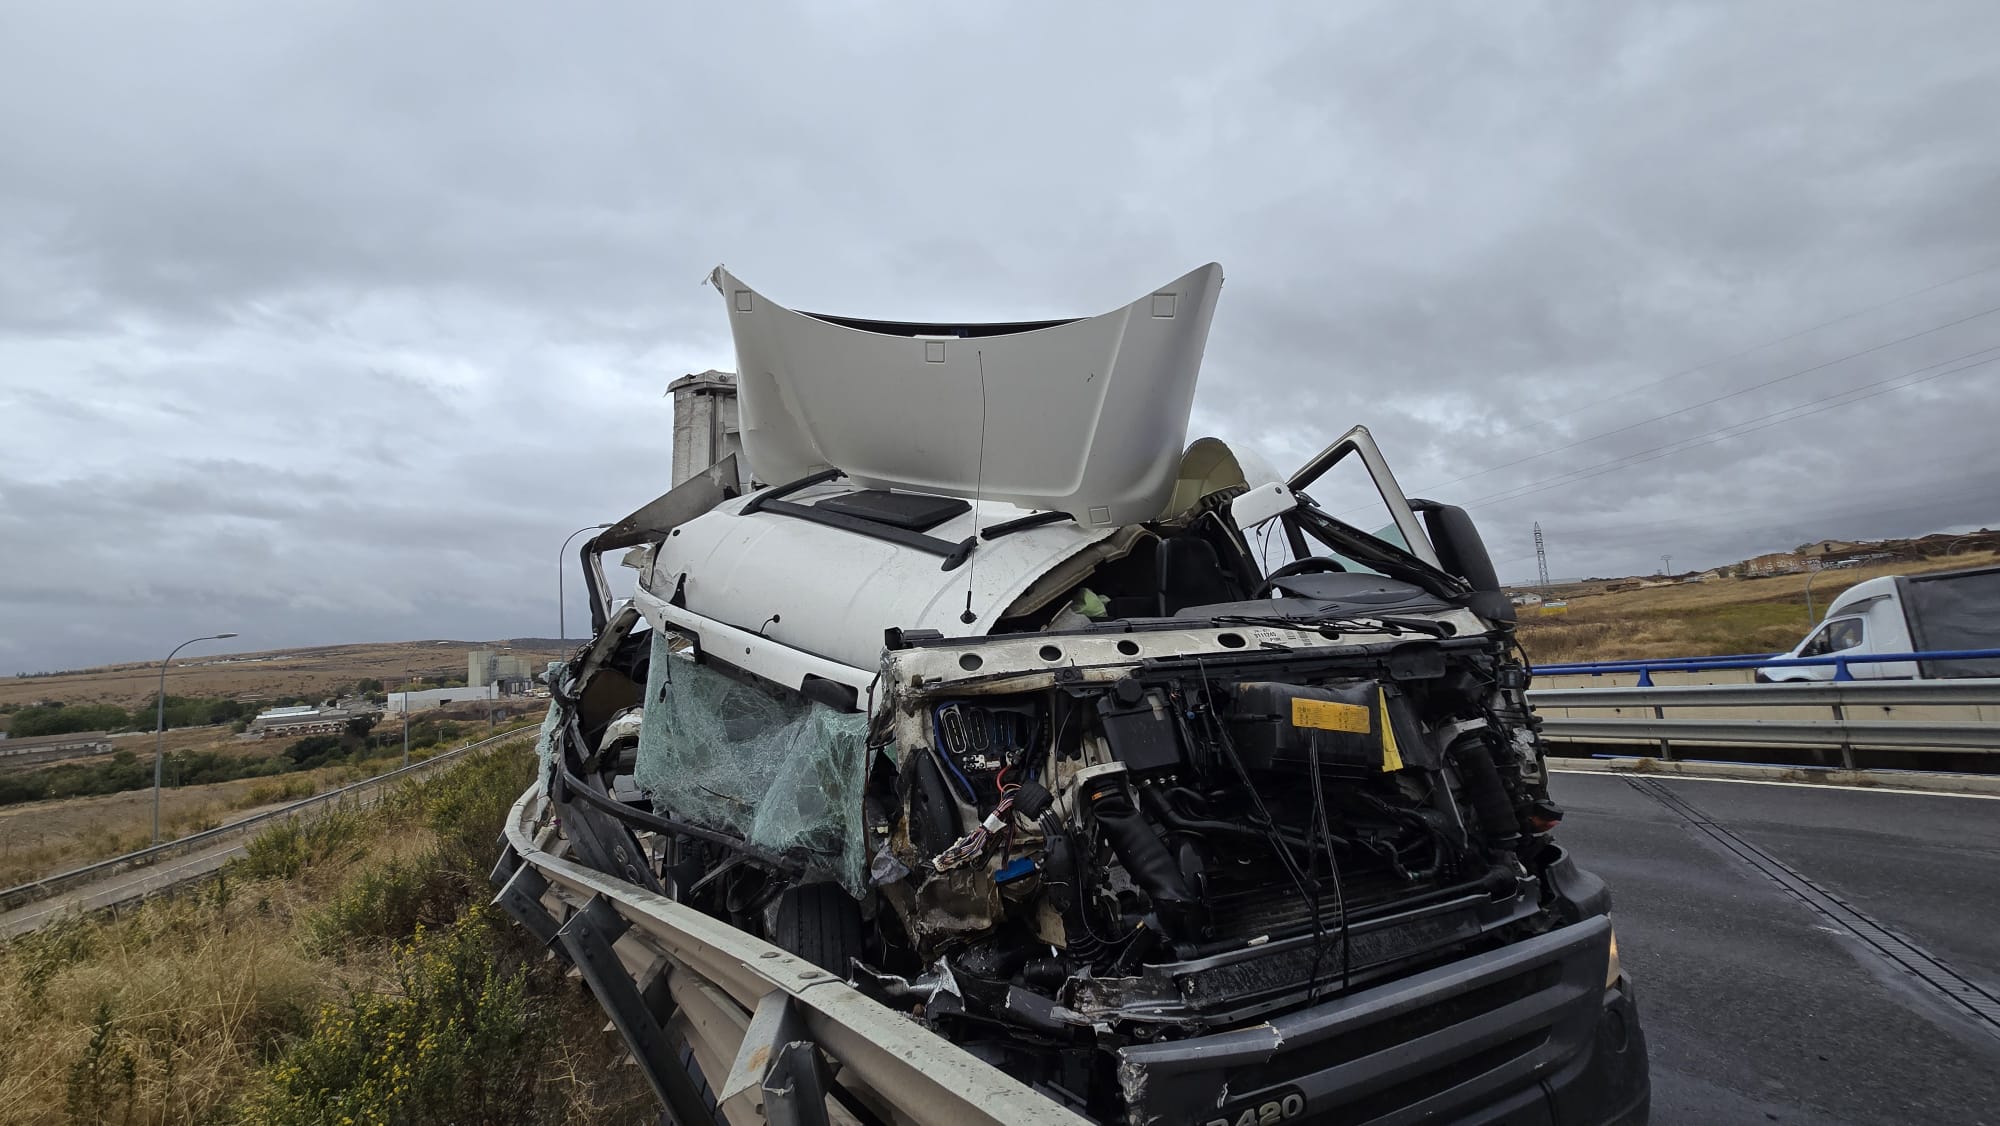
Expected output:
(1646, 666)
(1836, 731)
(60, 882)
(763, 1017)
(1882, 693)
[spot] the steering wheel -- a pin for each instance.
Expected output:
(1310, 565)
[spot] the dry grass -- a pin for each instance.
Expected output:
(192, 1009)
(251, 676)
(194, 992)
(39, 838)
(1699, 619)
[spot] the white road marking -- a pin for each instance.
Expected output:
(1667, 777)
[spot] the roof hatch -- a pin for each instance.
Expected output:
(1082, 416)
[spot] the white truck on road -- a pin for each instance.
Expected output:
(1950, 611)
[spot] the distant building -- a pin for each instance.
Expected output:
(438, 698)
(57, 746)
(484, 667)
(1776, 563)
(1526, 599)
(299, 720)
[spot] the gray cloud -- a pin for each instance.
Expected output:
(328, 323)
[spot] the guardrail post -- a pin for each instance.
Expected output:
(795, 1091)
(1846, 741)
(779, 1058)
(520, 895)
(1840, 671)
(588, 936)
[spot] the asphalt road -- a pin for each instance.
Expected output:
(1759, 1008)
(120, 889)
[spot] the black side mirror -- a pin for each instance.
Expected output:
(1461, 552)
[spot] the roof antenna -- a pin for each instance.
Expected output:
(978, 487)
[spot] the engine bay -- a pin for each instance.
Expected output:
(1064, 844)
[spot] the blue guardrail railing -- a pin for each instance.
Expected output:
(1647, 666)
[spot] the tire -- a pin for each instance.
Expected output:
(822, 924)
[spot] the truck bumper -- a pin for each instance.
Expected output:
(1527, 1034)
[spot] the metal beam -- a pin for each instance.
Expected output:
(588, 936)
(920, 1075)
(1851, 693)
(1825, 732)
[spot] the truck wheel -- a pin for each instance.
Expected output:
(822, 924)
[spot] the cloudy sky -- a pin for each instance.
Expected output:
(327, 322)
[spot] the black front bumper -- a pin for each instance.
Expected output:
(1527, 1035)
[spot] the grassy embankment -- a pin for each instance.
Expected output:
(347, 970)
(264, 677)
(40, 837)
(1697, 619)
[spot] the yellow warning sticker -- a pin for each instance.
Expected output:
(1330, 716)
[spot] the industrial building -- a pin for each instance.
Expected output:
(299, 720)
(438, 698)
(40, 748)
(484, 667)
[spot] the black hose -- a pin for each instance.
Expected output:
(1059, 870)
(1490, 804)
(1174, 819)
(1144, 855)
(658, 824)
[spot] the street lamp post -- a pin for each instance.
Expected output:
(160, 725)
(562, 561)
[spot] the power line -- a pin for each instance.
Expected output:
(1754, 348)
(1716, 399)
(1586, 539)
(1592, 538)
(1918, 491)
(1718, 434)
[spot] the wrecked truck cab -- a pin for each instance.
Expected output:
(990, 708)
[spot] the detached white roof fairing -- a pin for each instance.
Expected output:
(1083, 416)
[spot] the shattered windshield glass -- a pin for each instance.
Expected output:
(783, 772)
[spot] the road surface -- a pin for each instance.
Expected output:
(1766, 1004)
(122, 888)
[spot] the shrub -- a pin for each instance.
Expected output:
(56, 719)
(463, 809)
(280, 790)
(44, 953)
(390, 901)
(314, 750)
(127, 771)
(103, 1076)
(456, 1038)
(287, 850)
